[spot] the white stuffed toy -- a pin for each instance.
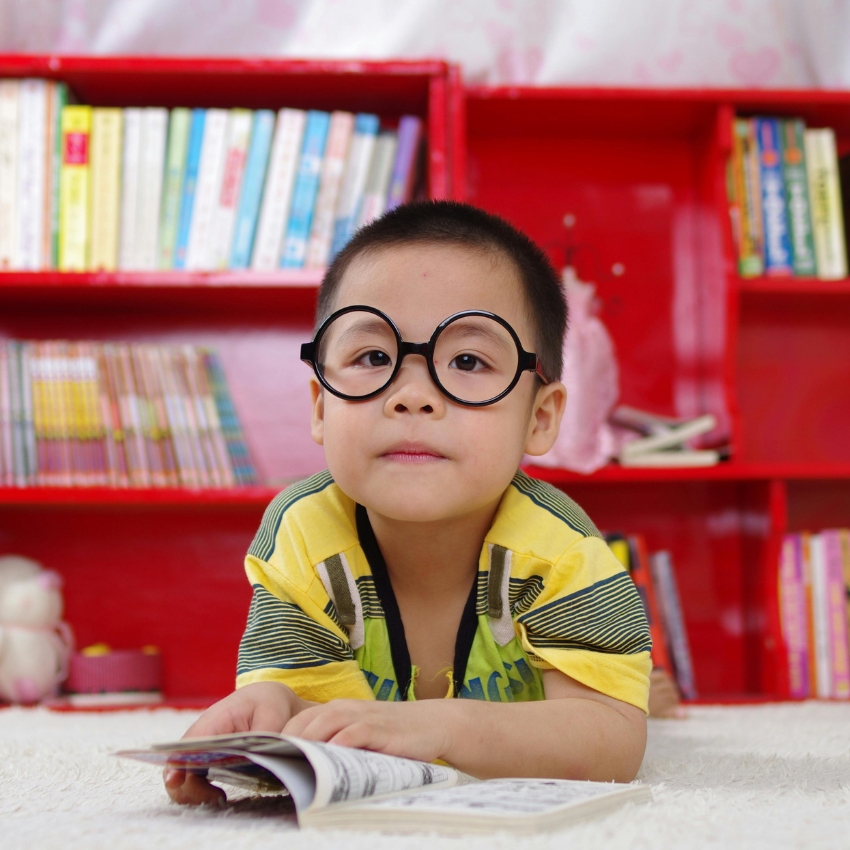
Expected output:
(35, 644)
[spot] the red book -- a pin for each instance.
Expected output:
(641, 576)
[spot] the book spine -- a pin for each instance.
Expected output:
(210, 171)
(83, 471)
(217, 434)
(406, 159)
(187, 471)
(844, 549)
(32, 127)
(187, 372)
(131, 417)
(30, 449)
(163, 432)
(130, 168)
(224, 214)
(151, 168)
(836, 603)
(820, 618)
(639, 571)
(110, 446)
(792, 605)
(252, 188)
(5, 436)
(147, 419)
(333, 166)
(797, 197)
(777, 246)
(671, 612)
(9, 107)
(825, 204)
(277, 197)
(354, 179)
(58, 103)
(106, 147)
(16, 415)
(305, 191)
(95, 413)
(172, 189)
(378, 181)
(112, 415)
(194, 425)
(190, 183)
(42, 478)
(748, 191)
(74, 189)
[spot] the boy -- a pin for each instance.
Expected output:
(422, 565)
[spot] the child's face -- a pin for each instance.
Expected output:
(411, 454)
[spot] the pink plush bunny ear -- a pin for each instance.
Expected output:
(49, 580)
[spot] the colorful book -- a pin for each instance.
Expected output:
(333, 166)
(777, 244)
(224, 214)
(107, 146)
(58, 98)
(793, 615)
(74, 189)
(277, 197)
(32, 139)
(664, 580)
(745, 172)
(819, 613)
(354, 180)
(130, 172)
(642, 577)
(403, 175)
(306, 190)
(836, 612)
(190, 181)
(199, 253)
(6, 449)
(797, 196)
(825, 203)
(378, 181)
(151, 168)
(172, 184)
(9, 100)
(251, 194)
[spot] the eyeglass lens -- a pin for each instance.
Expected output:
(475, 357)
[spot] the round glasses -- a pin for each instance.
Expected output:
(474, 357)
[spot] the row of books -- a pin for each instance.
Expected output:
(785, 199)
(655, 581)
(90, 188)
(814, 607)
(117, 415)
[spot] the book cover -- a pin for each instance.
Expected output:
(777, 245)
(819, 613)
(406, 158)
(825, 203)
(836, 605)
(190, 182)
(9, 91)
(151, 169)
(224, 214)
(378, 182)
(642, 578)
(199, 253)
(672, 615)
(277, 197)
(32, 139)
(745, 173)
(306, 190)
(333, 165)
(179, 121)
(106, 149)
(74, 193)
(797, 196)
(793, 615)
(58, 100)
(354, 179)
(130, 165)
(251, 194)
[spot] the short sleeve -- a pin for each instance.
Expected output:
(588, 622)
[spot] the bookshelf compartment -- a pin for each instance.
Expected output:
(816, 505)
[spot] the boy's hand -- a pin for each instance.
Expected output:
(261, 707)
(411, 729)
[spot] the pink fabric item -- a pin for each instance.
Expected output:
(116, 671)
(586, 441)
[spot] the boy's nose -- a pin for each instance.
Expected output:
(413, 390)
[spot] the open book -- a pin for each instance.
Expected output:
(340, 788)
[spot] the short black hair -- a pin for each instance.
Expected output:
(454, 223)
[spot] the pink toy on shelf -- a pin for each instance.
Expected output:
(99, 669)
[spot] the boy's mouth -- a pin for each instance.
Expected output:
(412, 453)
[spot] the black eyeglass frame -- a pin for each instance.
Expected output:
(527, 361)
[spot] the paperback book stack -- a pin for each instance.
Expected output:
(785, 199)
(814, 606)
(655, 581)
(96, 188)
(119, 415)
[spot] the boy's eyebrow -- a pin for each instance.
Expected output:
(468, 330)
(365, 325)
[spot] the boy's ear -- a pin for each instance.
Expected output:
(317, 417)
(549, 404)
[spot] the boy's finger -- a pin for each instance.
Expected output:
(189, 789)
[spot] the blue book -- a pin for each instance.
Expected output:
(305, 191)
(778, 259)
(252, 188)
(190, 180)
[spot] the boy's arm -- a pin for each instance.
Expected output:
(575, 733)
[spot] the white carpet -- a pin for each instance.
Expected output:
(774, 776)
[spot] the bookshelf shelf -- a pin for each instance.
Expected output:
(802, 286)
(105, 497)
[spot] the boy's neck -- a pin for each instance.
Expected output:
(433, 557)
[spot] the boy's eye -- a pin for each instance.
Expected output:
(374, 359)
(466, 362)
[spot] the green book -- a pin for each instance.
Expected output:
(797, 197)
(59, 96)
(172, 189)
